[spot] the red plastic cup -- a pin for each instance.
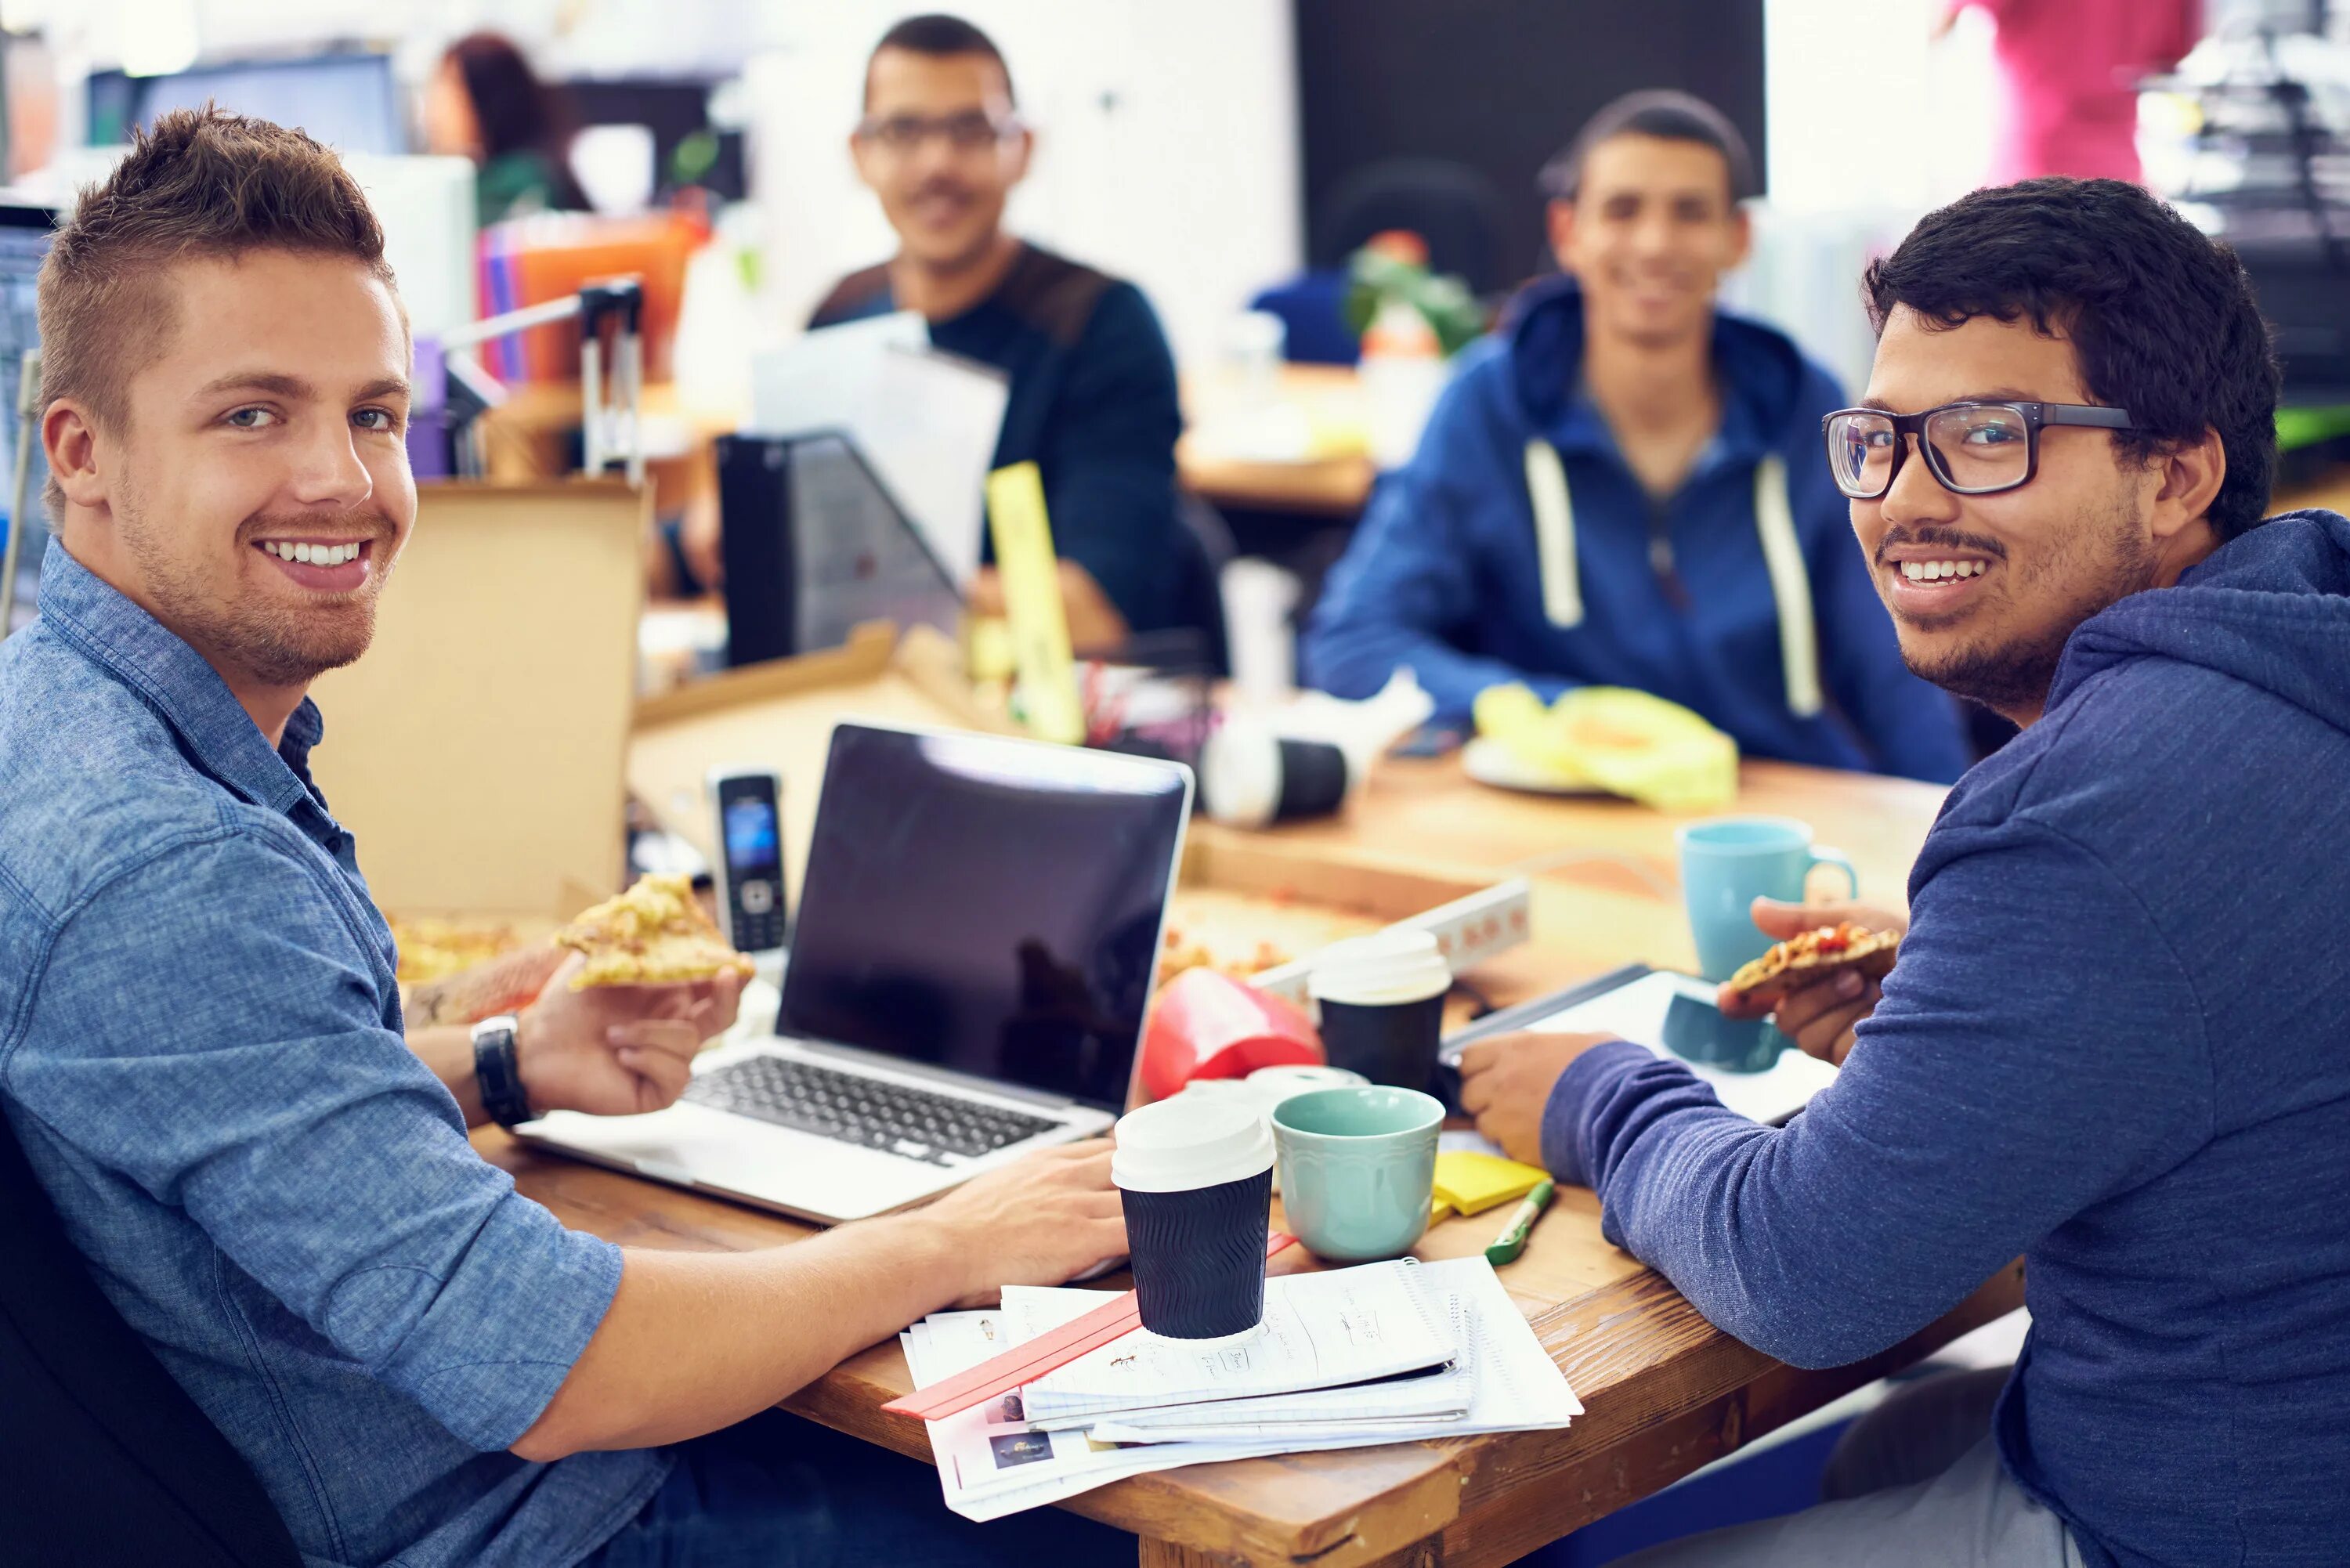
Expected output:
(1206, 1024)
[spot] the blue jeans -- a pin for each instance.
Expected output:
(777, 1491)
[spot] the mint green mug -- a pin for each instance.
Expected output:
(1357, 1168)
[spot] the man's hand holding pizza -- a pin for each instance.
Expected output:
(1819, 1015)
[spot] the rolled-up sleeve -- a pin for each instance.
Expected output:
(248, 1078)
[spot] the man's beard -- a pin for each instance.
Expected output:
(2106, 558)
(272, 643)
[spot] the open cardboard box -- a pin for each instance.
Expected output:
(779, 715)
(476, 751)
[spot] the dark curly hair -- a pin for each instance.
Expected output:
(2161, 316)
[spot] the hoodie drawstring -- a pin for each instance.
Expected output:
(1554, 534)
(1782, 560)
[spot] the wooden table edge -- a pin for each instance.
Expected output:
(1593, 1467)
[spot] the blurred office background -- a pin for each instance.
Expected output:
(1191, 147)
(1215, 151)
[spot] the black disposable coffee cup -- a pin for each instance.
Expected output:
(1195, 1175)
(1251, 777)
(1382, 1004)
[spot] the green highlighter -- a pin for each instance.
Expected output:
(1512, 1241)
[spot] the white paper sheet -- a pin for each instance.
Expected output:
(927, 421)
(1320, 1331)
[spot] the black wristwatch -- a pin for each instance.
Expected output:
(499, 1073)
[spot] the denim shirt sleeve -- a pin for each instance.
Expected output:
(250, 1080)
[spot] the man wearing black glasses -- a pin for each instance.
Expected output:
(2115, 1041)
(1093, 384)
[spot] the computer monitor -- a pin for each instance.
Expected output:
(988, 906)
(674, 112)
(816, 546)
(25, 229)
(347, 102)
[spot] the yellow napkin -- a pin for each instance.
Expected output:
(1473, 1183)
(1613, 738)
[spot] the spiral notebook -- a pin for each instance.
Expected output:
(1321, 1331)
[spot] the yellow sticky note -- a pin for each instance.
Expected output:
(1438, 1210)
(1032, 600)
(1474, 1183)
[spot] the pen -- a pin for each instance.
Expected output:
(1513, 1240)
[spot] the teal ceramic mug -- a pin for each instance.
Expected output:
(1727, 863)
(1357, 1168)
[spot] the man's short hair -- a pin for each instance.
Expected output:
(1666, 115)
(2160, 316)
(199, 184)
(939, 35)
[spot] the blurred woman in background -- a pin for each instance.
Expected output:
(485, 103)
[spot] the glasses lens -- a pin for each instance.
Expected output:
(1860, 453)
(970, 131)
(1980, 446)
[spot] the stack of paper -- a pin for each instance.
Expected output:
(1350, 1358)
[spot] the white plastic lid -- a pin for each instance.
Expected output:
(1388, 967)
(1191, 1141)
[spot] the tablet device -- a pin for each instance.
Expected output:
(1755, 1070)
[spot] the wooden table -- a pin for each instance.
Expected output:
(1330, 398)
(1665, 1392)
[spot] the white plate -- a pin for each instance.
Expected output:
(1489, 763)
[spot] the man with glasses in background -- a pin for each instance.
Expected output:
(2115, 1039)
(1092, 383)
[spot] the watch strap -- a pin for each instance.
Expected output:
(497, 1071)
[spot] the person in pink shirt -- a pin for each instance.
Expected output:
(2071, 70)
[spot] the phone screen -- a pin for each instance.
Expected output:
(1696, 1031)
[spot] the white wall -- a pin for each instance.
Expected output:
(1167, 146)
(1873, 124)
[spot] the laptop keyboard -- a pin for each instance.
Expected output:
(850, 1108)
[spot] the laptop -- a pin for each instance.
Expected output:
(979, 923)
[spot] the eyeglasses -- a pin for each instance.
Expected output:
(1971, 449)
(969, 131)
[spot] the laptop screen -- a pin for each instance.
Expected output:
(984, 905)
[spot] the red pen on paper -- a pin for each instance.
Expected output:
(1024, 1364)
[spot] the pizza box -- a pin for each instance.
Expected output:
(475, 752)
(1303, 896)
(780, 714)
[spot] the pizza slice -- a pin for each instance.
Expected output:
(654, 934)
(1809, 958)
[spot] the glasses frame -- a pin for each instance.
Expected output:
(2035, 416)
(867, 133)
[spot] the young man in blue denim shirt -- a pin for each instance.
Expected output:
(200, 1045)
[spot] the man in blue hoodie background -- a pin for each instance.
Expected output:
(1624, 488)
(2117, 1037)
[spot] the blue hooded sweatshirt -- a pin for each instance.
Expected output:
(1743, 596)
(2118, 1041)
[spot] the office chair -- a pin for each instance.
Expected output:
(106, 1459)
(1203, 548)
